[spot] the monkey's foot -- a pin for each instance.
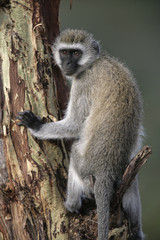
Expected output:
(73, 206)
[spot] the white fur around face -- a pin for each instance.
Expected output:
(57, 58)
(70, 46)
(85, 58)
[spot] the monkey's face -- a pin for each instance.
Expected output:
(69, 60)
(74, 51)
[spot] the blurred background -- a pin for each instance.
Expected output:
(130, 31)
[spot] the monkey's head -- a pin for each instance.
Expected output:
(74, 51)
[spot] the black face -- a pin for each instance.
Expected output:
(70, 59)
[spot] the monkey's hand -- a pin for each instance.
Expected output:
(29, 120)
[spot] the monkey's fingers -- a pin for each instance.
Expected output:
(27, 115)
(29, 119)
(22, 122)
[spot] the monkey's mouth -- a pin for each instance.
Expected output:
(70, 71)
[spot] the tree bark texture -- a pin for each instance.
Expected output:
(32, 173)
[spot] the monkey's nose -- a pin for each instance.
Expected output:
(69, 63)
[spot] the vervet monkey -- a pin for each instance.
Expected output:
(104, 116)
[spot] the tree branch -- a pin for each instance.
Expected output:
(131, 171)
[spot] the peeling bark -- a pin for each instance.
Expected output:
(32, 194)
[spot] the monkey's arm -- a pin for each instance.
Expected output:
(54, 130)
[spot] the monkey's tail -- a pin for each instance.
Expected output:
(103, 192)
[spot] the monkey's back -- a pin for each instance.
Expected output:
(112, 128)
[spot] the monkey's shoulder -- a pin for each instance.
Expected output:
(109, 70)
(111, 77)
(111, 65)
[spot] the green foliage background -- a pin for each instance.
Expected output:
(130, 31)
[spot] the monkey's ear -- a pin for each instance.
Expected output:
(95, 45)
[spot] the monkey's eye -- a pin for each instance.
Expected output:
(77, 53)
(64, 51)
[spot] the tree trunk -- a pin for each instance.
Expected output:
(33, 173)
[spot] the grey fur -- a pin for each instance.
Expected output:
(104, 115)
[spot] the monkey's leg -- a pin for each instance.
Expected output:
(132, 207)
(77, 186)
(75, 190)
